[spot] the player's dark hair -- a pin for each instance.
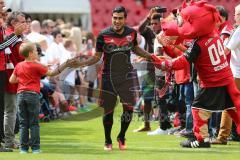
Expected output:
(120, 9)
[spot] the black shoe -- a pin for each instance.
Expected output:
(193, 143)
(2, 149)
(189, 135)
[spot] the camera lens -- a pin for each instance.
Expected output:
(160, 9)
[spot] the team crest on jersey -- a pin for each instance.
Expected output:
(129, 38)
(112, 41)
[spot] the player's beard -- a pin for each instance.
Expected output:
(118, 29)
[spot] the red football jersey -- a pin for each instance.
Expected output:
(225, 30)
(211, 63)
(28, 75)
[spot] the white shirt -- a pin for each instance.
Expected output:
(234, 45)
(49, 39)
(68, 75)
(35, 37)
(157, 45)
(54, 53)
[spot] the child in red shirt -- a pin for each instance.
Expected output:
(27, 74)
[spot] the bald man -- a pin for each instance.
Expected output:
(35, 35)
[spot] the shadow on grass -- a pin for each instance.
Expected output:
(66, 132)
(76, 148)
(96, 112)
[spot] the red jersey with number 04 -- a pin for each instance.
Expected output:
(211, 64)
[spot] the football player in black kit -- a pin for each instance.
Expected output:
(116, 44)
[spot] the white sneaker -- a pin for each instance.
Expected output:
(158, 131)
(178, 133)
(173, 130)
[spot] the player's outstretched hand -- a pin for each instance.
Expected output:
(161, 62)
(73, 63)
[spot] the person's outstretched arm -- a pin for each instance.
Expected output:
(142, 53)
(58, 70)
(74, 62)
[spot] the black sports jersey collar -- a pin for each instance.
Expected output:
(126, 32)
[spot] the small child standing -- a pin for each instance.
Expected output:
(28, 74)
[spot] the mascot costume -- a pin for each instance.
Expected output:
(197, 21)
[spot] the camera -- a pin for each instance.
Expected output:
(160, 9)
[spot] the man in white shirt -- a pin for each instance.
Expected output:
(35, 35)
(233, 45)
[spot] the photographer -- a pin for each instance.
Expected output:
(148, 31)
(149, 28)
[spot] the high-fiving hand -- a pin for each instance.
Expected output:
(161, 62)
(73, 63)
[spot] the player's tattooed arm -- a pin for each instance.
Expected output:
(75, 62)
(142, 53)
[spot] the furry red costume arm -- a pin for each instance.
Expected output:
(180, 62)
(172, 51)
(166, 64)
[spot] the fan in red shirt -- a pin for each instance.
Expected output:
(27, 74)
(13, 57)
(218, 90)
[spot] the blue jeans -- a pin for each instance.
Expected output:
(214, 124)
(186, 91)
(28, 107)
